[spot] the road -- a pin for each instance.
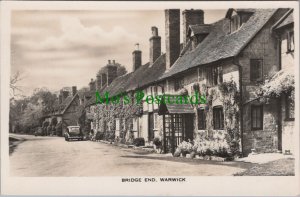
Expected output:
(52, 156)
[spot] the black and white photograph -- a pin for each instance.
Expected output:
(154, 95)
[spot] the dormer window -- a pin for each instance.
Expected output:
(238, 17)
(235, 23)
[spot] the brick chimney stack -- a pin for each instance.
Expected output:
(137, 57)
(103, 79)
(111, 72)
(63, 94)
(74, 90)
(98, 81)
(172, 22)
(191, 17)
(60, 99)
(92, 85)
(155, 45)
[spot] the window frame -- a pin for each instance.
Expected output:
(155, 121)
(290, 41)
(178, 83)
(288, 100)
(261, 108)
(214, 75)
(260, 79)
(203, 119)
(218, 111)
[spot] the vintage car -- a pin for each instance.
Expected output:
(73, 133)
(39, 131)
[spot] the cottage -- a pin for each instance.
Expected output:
(229, 61)
(66, 111)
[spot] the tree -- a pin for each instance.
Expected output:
(121, 70)
(27, 113)
(14, 88)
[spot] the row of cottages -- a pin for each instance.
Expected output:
(229, 62)
(67, 110)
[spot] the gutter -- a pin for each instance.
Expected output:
(235, 62)
(282, 19)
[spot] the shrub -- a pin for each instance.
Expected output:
(99, 136)
(157, 142)
(109, 136)
(211, 147)
(185, 147)
(122, 141)
(139, 141)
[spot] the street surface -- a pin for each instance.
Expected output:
(53, 156)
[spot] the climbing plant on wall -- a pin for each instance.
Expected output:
(231, 101)
(108, 113)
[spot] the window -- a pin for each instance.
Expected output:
(178, 84)
(201, 74)
(209, 76)
(256, 117)
(155, 124)
(155, 90)
(195, 88)
(131, 124)
(290, 106)
(201, 119)
(218, 118)
(290, 41)
(217, 75)
(214, 75)
(235, 23)
(118, 124)
(256, 70)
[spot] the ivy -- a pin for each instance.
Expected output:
(106, 114)
(282, 82)
(231, 101)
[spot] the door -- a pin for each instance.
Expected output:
(150, 127)
(189, 127)
(173, 132)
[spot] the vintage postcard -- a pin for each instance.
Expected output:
(150, 98)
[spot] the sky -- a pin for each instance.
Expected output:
(56, 49)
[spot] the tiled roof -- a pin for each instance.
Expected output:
(60, 108)
(175, 109)
(200, 29)
(219, 44)
(144, 75)
(288, 20)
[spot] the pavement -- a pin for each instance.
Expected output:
(264, 158)
(54, 157)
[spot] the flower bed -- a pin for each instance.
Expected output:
(204, 148)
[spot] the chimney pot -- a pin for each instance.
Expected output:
(109, 62)
(114, 62)
(154, 31)
(92, 85)
(137, 46)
